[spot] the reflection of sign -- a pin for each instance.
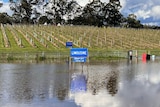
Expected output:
(79, 59)
(79, 52)
(69, 44)
(78, 83)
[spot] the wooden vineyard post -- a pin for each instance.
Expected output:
(121, 43)
(136, 54)
(20, 42)
(101, 42)
(26, 35)
(97, 38)
(45, 43)
(31, 41)
(81, 41)
(89, 41)
(112, 42)
(48, 38)
(51, 37)
(105, 38)
(83, 38)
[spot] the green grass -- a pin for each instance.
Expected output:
(11, 39)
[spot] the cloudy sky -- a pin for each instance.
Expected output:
(147, 11)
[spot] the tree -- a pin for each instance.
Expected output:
(23, 10)
(132, 21)
(73, 10)
(35, 15)
(113, 17)
(62, 10)
(93, 13)
(5, 19)
(100, 14)
(55, 9)
(37, 10)
(43, 19)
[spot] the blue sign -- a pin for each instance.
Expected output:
(69, 44)
(79, 59)
(79, 52)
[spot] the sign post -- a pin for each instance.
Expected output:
(79, 59)
(69, 44)
(79, 54)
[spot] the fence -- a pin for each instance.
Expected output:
(63, 56)
(109, 54)
(39, 56)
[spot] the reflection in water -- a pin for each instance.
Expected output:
(113, 84)
(104, 77)
(130, 70)
(95, 80)
(78, 83)
(61, 84)
(32, 83)
(62, 93)
(106, 80)
(99, 79)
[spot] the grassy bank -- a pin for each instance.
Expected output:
(102, 43)
(65, 54)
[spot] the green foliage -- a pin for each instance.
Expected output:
(5, 19)
(11, 39)
(25, 20)
(95, 13)
(44, 19)
(24, 10)
(10, 58)
(132, 22)
(100, 14)
(42, 58)
(114, 16)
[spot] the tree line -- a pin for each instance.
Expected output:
(95, 13)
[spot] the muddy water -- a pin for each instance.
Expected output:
(111, 84)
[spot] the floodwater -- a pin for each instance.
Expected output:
(110, 84)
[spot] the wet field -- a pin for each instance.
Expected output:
(111, 84)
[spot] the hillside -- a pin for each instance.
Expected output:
(49, 38)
